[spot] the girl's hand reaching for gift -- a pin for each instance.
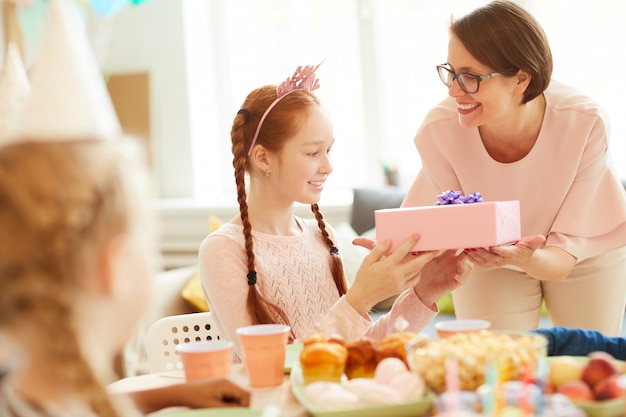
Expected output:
(364, 242)
(382, 274)
(441, 275)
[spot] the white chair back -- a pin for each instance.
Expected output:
(168, 332)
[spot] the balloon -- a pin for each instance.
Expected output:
(107, 7)
(32, 19)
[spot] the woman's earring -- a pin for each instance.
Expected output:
(267, 173)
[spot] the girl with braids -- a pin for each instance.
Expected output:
(269, 266)
(75, 247)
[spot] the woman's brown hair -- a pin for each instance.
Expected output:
(505, 37)
(60, 202)
(281, 123)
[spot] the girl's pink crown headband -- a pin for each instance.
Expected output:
(302, 79)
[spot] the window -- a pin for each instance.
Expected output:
(378, 78)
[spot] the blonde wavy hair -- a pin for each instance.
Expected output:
(60, 202)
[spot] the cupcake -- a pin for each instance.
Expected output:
(314, 338)
(394, 345)
(323, 361)
(361, 362)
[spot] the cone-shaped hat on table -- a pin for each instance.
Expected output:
(69, 99)
(14, 90)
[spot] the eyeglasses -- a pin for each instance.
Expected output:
(468, 82)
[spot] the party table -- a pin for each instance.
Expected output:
(280, 396)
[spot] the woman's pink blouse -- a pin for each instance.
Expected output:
(567, 187)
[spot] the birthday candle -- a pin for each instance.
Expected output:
(452, 385)
(541, 376)
(498, 389)
(491, 381)
(525, 400)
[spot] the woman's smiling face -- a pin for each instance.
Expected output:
(495, 98)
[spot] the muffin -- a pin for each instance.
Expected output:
(321, 337)
(323, 361)
(361, 362)
(314, 338)
(336, 338)
(393, 345)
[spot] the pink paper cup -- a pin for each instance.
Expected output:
(206, 359)
(449, 327)
(264, 349)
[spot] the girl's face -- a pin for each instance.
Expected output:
(304, 162)
(495, 98)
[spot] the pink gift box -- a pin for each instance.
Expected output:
(453, 226)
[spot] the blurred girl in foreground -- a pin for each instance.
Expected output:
(76, 240)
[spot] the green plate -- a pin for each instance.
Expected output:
(218, 412)
(293, 356)
(408, 409)
(608, 408)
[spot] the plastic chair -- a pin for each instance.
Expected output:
(168, 332)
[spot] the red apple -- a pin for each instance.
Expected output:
(600, 366)
(605, 355)
(577, 391)
(608, 389)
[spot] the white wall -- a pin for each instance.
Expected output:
(149, 38)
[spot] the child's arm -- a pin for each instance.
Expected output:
(579, 342)
(197, 394)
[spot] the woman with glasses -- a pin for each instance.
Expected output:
(510, 132)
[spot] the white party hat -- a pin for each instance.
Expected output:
(14, 90)
(69, 99)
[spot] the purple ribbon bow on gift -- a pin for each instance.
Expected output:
(455, 197)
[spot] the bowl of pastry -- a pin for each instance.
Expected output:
(329, 358)
(337, 377)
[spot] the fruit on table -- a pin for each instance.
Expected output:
(577, 391)
(564, 369)
(600, 378)
(599, 367)
(608, 389)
